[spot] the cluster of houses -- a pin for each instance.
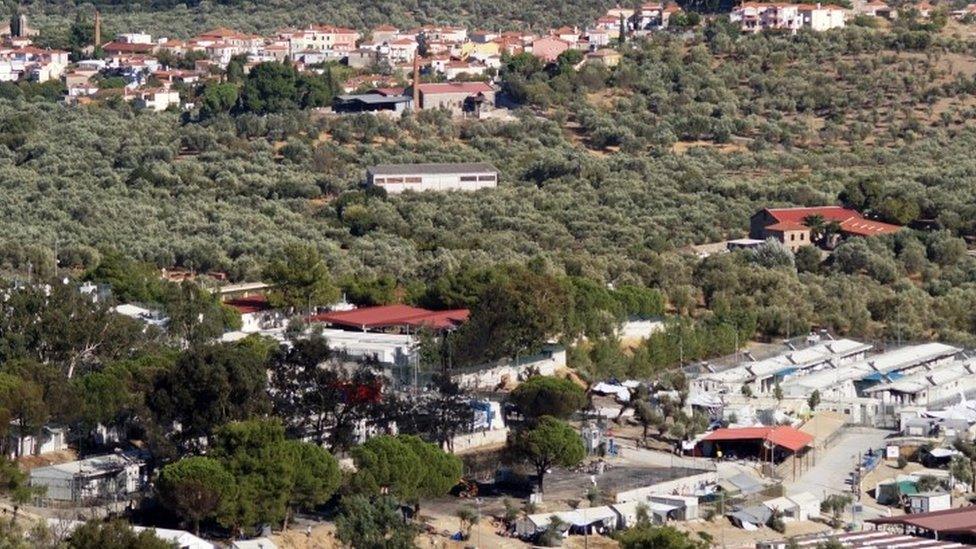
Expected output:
(775, 16)
(463, 62)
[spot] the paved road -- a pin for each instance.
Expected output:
(835, 463)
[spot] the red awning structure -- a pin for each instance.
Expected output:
(252, 304)
(960, 521)
(782, 436)
(389, 316)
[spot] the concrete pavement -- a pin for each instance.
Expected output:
(835, 464)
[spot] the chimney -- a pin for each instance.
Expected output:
(98, 29)
(416, 81)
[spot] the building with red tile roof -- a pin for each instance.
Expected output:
(457, 97)
(548, 48)
(251, 304)
(790, 225)
(403, 317)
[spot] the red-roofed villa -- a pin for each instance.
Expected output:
(791, 225)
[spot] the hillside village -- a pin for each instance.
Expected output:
(159, 73)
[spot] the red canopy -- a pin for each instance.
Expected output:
(786, 437)
(386, 316)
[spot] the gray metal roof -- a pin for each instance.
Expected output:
(415, 169)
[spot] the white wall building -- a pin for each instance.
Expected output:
(397, 178)
(927, 502)
(822, 18)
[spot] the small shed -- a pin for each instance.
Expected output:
(740, 484)
(751, 518)
(926, 502)
(686, 506)
(786, 506)
(533, 524)
(807, 503)
(890, 492)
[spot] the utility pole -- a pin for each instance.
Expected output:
(478, 503)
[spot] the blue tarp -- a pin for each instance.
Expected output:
(878, 376)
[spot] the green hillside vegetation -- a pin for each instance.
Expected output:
(677, 146)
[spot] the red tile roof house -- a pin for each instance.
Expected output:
(782, 447)
(548, 48)
(395, 317)
(457, 97)
(788, 225)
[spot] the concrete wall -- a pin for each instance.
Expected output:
(481, 439)
(684, 486)
(546, 364)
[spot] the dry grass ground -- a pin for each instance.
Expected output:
(723, 533)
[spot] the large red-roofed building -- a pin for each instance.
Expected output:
(402, 317)
(790, 225)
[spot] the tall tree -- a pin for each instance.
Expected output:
(968, 450)
(301, 279)
(548, 396)
(23, 407)
(59, 325)
(406, 467)
(376, 523)
(550, 443)
(211, 385)
(115, 534)
(518, 311)
(316, 475)
(318, 398)
(273, 476)
(194, 488)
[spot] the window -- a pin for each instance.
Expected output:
(486, 178)
(413, 180)
(394, 180)
(802, 236)
(469, 178)
(792, 236)
(379, 180)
